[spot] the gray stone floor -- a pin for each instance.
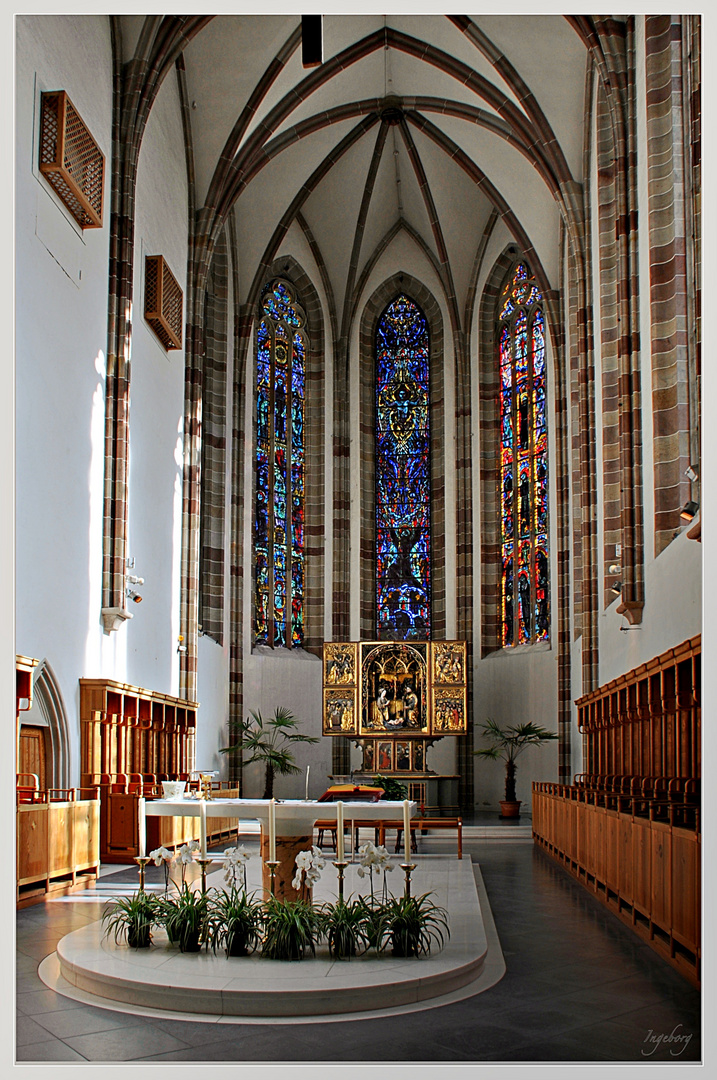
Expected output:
(580, 987)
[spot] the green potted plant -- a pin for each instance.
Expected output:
(268, 740)
(411, 924)
(393, 790)
(186, 918)
(346, 925)
(290, 928)
(235, 921)
(132, 918)
(508, 743)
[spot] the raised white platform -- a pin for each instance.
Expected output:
(163, 981)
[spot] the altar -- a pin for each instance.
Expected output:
(294, 822)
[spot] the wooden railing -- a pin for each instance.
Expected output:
(58, 840)
(635, 844)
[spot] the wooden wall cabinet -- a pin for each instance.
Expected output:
(58, 845)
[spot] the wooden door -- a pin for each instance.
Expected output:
(33, 752)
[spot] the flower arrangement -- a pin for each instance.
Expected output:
(185, 857)
(162, 856)
(374, 857)
(309, 864)
(235, 859)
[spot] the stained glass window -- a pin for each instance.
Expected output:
(525, 615)
(403, 476)
(279, 506)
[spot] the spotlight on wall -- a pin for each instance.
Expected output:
(181, 647)
(616, 587)
(689, 510)
(134, 596)
(135, 580)
(692, 473)
(614, 568)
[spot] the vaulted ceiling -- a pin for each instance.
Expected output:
(430, 126)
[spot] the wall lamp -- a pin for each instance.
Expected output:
(135, 580)
(134, 596)
(614, 568)
(616, 587)
(689, 510)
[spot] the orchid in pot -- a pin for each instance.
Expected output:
(347, 927)
(290, 928)
(373, 857)
(309, 865)
(186, 918)
(235, 919)
(411, 924)
(162, 856)
(132, 918)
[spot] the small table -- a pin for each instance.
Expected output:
(294, 819)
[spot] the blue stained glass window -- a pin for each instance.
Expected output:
(279, 464)
(523, 480)
(403, 474)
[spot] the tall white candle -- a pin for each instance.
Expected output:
(272, 831)
(308, 767)
(203, 828)
(142, 823)
(407, 830)
(339, 832)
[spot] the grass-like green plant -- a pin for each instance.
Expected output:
(290, 928)
(411, 925)
(347, 927)
(186, 918)
(131, 918)
(235, 921)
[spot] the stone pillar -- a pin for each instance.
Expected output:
(287, 848)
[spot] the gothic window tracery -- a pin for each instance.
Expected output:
(279, 464)
(525, 614)
(403, 474)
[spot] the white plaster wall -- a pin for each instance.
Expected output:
(61, 339)
(157, 406)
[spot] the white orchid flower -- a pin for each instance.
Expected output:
(160, 855)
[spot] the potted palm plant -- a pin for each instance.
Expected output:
(186, 918)
(346, 925)
(290, 928)
(508, 743)
(268, 740)
(235, 921)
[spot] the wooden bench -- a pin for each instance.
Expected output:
(330, 826)
(422, 825)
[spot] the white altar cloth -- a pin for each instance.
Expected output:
(294, 817)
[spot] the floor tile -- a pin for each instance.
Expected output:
(86, 1020)
(52, 1050)
(126, 1044)
(43, 1001)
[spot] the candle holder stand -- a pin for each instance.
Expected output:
(272, 864)
(141, 861)
(203, 864)
(408, 868)
(341, 866)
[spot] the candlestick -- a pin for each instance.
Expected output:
(142, 828)
(341, 866)
(272, 831)
(272, 864)
(407, 867)
(142, 862)
(339, 831)
(407, 830)
(203, 864)
(308, 767)
(203, 829)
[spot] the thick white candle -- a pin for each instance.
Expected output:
(339, 832)
(203, 829)
(142, 823)
(308, 767)
(407, 830)
(272, 831)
